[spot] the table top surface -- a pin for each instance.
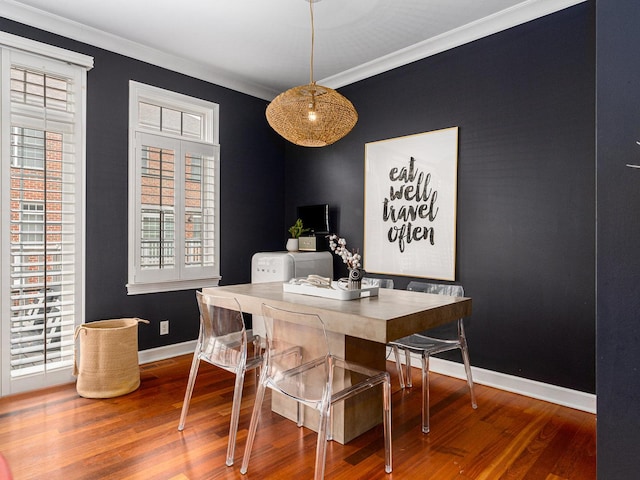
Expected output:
(390, 315)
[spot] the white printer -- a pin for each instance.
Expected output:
(282, 267)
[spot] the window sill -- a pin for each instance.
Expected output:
(142, 288)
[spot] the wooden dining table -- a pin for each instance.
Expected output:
(358, 331)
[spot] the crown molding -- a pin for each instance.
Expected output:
(519, 14)
(508, 18)
(24, 44)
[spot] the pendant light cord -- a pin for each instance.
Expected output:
(311, 115)
(312, 40)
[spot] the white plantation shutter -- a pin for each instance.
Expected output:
(42, 180)
(200, 203)
(156, 207)
(173, 192)
(174, 210)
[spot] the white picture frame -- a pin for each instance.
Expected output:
(410, 205)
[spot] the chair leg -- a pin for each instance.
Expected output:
(299, 406)
(467, 367)
(407, 355)
(396, 354)
(190, 384)
(321, 445)
(235, 416)
(300, 415)
(386, 404)
(425, 392)
(464, 349)
(301, 388)
(253, 426)
(258, 348)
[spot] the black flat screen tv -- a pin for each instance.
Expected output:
(315, 217)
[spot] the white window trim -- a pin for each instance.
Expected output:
(210, 112)
(56, 53)
(33, 48)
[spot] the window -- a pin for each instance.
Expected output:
(42, 211)
(173, 191)
(31, 224)
(27, 148)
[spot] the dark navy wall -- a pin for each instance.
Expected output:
(524, 100)
(251, 188)
(618, 127)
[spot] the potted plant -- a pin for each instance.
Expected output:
(295, 231)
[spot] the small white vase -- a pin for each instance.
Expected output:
(292, 245)
(355, 278)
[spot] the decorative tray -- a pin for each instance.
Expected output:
(336, 291)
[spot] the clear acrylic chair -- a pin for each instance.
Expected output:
(5, 472)
(378, 282)
(429, 343)
(317, 382)
(225, 343)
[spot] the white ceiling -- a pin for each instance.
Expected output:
(262, 47)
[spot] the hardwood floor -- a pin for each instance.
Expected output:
(55, 434)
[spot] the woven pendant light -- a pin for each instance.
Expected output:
(311, 115)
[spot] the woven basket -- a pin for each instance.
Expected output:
(108, 362)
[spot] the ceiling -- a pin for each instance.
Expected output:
(262, 47)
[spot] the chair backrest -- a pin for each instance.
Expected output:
(379, 282)
(222, 329)
(438, 288)
(448, 330)
(294, 338)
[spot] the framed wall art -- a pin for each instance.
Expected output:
(410, 205)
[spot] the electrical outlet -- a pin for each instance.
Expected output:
(164, 327)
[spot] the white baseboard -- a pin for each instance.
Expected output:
(510, 383)
(168, 351)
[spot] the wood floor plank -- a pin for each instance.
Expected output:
(54, 434)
